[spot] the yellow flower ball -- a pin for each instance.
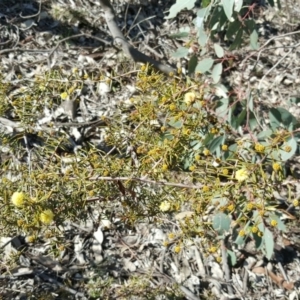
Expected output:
(213, 249)
(242, 233)
(296, 202)
(224, 147)
(17, 199)
(254, 229)
(241, 175)
(205, 188)
(189, 98)
(177, 249)
(259, 148)
(164, 167)
(165, 206)
(225, 172)
(273, 223)
(64, 95)
(192, 168)
(46, 216)
(276, 167)
(206, 152)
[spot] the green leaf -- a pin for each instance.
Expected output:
(250, 26)
(282, 117)
(202, 37)
(238, 40)
(204, 65)
(179, 35)
(221, 223)
(252, 121)
(217, 72)
(216, 143)
(192, 64)
(291, 142)
(219, 50)
(222, 107)
(180, 52)
(228, 8)
(277, 217)
(233, 28)
(238, 5)
(179, 6)
(288, 120)
(269, 243)
(237, 121)
(207, 139)
(232, 257)
(176, 124)
(264, 134)
(254, 40)
(275, 118)
(241, 239)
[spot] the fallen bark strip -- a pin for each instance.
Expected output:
(128, 49)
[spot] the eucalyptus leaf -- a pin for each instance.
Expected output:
(219, 50)
(238, 5)
(192, 65)
(217, 72)
(179, 6)
(275, 118)
(233, 28)
(228, 8)
(216, 143)
(204, 65)
(254, 40)
(292, 143)
(221, 223)
(222, 107)
(202, 37)
(179, 35)
(180, 52)
(176, 123)
(232, 257)
(269, 243)
(238, 40)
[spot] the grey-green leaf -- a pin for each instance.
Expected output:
(192, 65)
(179, 6)
(216, 72)
(228, 8)
(180, 52)
(219, 50)
(254, 40)
(204, 65)
(269, 243)
(221, 223)
(292, 143)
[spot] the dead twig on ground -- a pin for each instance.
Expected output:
(128, 49)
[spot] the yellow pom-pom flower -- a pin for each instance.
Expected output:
(64, 95)
(241, 175)
(46, 216)
(165, 206)
(224, 147)
(17, 199)
(273, 223)
(189, 98)
(206, 152)
(276, 166)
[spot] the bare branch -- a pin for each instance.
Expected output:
(128, 49)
